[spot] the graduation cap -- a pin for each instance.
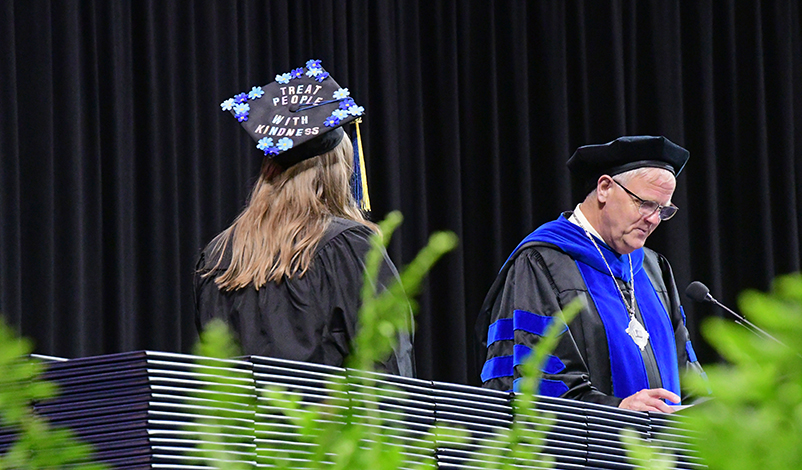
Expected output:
(299, 116)
(589, 162)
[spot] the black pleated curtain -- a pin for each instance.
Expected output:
(118, 165)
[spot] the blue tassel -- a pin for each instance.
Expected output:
(356, 176)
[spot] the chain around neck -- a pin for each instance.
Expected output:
(631, 306)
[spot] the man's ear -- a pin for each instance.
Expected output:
(603, 187)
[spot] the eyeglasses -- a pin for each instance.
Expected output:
(648, 208)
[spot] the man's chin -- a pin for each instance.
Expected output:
(635, 243)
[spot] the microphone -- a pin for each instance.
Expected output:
(699, 292)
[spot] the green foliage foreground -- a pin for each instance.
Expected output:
(348, 430)
(754, 420)
(38, 445)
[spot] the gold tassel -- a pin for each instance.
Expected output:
(365, 203)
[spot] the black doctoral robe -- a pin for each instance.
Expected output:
(538, 281)
(312, 318)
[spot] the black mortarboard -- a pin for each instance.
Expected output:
(296, 117)
(589, 162)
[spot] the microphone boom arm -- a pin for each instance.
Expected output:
(700, 293)
(741, 320)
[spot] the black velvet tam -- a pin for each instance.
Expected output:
(590, 162)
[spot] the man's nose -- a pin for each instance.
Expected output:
(654, 217)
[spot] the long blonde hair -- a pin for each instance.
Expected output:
(288, 213)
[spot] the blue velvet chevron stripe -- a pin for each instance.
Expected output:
(502, 366)
(552, 388)
(495, 367)
(504, 329)
(553, 364)
(548, 387)
(689, 350)
(500, 330)
(688, 346)
(533, 323)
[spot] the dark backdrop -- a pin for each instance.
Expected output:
(118, 164)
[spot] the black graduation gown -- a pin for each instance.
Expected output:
(312, 318)
(542, 278)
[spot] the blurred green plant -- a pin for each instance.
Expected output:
(755, 418)
(384, 314)
(642, 455)
(348, 428)
(521, 445)
(345, 430)
(361, 436)
(36, 444)
(224, 428)
(754, 422)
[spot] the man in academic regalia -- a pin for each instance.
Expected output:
(628, 345)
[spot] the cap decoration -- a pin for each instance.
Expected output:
(298, 116)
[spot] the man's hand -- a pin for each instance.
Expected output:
(650, 400)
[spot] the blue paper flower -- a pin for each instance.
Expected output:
(228, 104)
(342, 93)
(242, 108)
(297, 73)
(285, 143)
(347, 103)
(322, 76)
(313, 72)
(241, 117)
(332, 121)
(272, 151)
(256, 93)
(283, 78)
(313, 64)
(241, 98)
(356, 110)
(340, 114)
(264, 143)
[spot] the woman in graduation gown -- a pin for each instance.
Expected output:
(287, 274)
